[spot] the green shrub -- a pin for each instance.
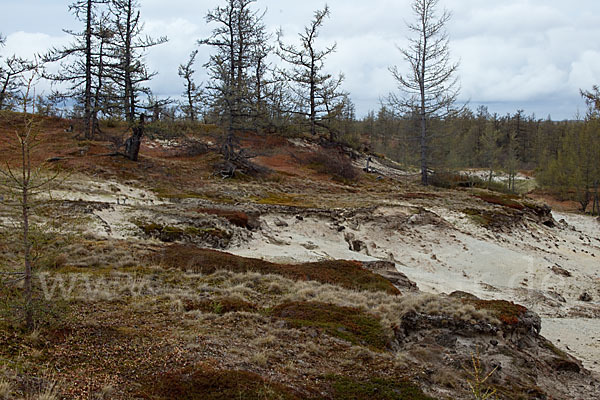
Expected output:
(350, 324)
(346, 388)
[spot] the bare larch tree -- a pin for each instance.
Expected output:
(78, 61)
(128, 47)
(430, 88)
(312, 87)
(11, 71)
(192, 93)
(231, 68)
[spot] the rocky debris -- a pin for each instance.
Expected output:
(586, 297)
(355, 244)
(530, 322)
(413, 321)
(543, 214)
(425, 217)
(558, 270)
(309, 246)
(358, 246)
(280, 223)
(557, 296)
(388, 270)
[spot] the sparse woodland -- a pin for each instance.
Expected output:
(195, 247)
(260, 83)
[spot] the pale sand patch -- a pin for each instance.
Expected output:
(577, 336)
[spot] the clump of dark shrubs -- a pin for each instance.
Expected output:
(332, 162)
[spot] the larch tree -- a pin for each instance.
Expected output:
(192, 94)
(128, 47)
(79, 60)
(317, 92)
(11, 71)
(22, 181)
(430, 88)
(233, 67)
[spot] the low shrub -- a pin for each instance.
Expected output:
(507, 312)
(203, 383)
(333, 163)
(346, 388)
(350, 324)
(220, 305)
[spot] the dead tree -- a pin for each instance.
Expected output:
(193, 94)
(12, 69)
(133, 143)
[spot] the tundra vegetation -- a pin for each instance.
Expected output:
(115, 282)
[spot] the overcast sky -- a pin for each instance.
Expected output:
(533, 55)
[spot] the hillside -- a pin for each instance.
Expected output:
(309, 279)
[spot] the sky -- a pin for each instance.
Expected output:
(531, 55)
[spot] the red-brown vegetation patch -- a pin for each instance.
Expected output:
(347, 274)
(555, 201)
(505, 311)
(351, 324)
(504, 200)
(204, 383)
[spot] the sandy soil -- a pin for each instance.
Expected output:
(441, 249)
(456, 254)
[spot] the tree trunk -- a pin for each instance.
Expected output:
(128, 81)
(313, 107)
(132, 145)
(191, 99)
(424, 177)
(28, 284)
(88, 123)
(596, 208)
(3, 91)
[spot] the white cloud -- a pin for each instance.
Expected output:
(514, 54)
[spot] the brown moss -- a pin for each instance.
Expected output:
(492, 219)
(351, 324)
(203, 383)
(220, 305)
(501, 200)
(347, 274)
(376, 389)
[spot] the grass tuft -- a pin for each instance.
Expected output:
(347, 274)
